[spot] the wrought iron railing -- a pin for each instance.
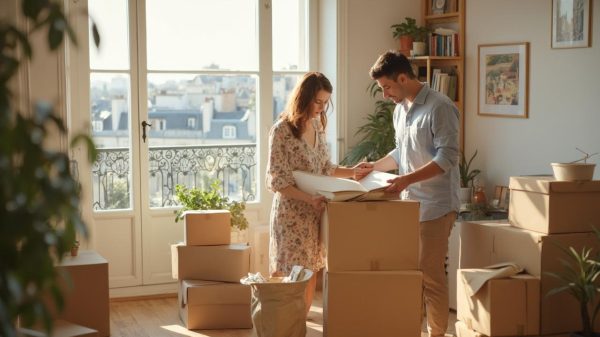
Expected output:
(233, 165)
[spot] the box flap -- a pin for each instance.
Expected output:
(547, 184)
(199, 292)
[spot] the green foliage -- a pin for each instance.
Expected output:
(466, 174)
(580, 279)
(409, 27)
(377, 135)
(39, 196)
(196, 199)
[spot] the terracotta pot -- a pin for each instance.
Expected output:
(406, 42)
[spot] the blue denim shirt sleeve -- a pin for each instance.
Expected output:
(445, 129)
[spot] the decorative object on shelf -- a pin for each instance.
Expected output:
(377, 134)
(580, 280)
(571, 23)
(197, 199)
(502, 90)
(479, 196)
(575, 170)
(466, 178)
(438, 6)
(408, 32)
(75, 248)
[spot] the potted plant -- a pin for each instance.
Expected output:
(466, 177)
(197, 199)
(377, 134)
(39, 196)
(580, 280)
(411, 36)
(575, 170)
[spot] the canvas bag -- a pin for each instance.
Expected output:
(278, 308)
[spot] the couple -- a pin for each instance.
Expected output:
(426, 154)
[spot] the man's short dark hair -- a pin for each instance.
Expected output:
(391, 64)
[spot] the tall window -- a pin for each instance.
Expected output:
(193, 73)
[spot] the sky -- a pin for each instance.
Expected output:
(191, 34)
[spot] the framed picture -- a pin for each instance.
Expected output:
(503, 80)
(571, 23)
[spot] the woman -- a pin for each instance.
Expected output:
(297, 142)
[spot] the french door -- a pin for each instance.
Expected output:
(180, 92)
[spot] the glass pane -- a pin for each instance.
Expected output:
(282, 87)
(203, 128)
(112, 21)
(202, 34)
(290, 35)
(110, 119)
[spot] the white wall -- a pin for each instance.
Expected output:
(564, 93)
(368, 34)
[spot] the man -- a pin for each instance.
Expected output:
(426, 154)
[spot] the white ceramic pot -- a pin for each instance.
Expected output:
(465, 194)
(418, 48)
(573, 171)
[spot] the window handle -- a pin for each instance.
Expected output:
(144, 125)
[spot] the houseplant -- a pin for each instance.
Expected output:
(580, 279)
(408, 32)
(197, 199)
(466, 177)
(38, 192)
(575, 170)
(377, 135)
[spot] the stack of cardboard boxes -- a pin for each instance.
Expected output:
(545, 216)
(209, 269)
(372, 285)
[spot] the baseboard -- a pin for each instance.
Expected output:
(154, 290)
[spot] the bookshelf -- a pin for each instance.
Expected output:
(446, 52)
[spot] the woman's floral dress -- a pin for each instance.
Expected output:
(294, 223)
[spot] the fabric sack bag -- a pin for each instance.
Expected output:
(278, 308)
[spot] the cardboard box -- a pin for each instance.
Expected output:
(61, 329)
(214, 305)
(483, 245)
(86, 291)
(373, 235)
(207, 227)
(547, 206)
(226, 263)
(372, 303)
(502, 307)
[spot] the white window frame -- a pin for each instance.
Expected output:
(229, 132)
(78, 80)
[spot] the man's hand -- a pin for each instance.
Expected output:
(398, 185)
(361, 170)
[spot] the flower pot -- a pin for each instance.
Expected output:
(418, 48)
(465, 195)
(573, 171)
(74, 251)
(406, 42)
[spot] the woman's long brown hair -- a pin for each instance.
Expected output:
(297, 110)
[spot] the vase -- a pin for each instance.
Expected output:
(465, 194)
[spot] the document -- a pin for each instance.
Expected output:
(370, 187)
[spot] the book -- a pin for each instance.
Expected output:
(371, 187)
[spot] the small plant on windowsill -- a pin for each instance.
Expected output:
(211, 199)
(466, 177)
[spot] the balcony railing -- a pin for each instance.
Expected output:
(193, 166)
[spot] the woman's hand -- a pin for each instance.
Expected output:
(361, 170)
(318, 202)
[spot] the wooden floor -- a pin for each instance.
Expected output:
(159, 317)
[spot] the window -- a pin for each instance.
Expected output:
(203, 80)
(191, 123)
(229, 132)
